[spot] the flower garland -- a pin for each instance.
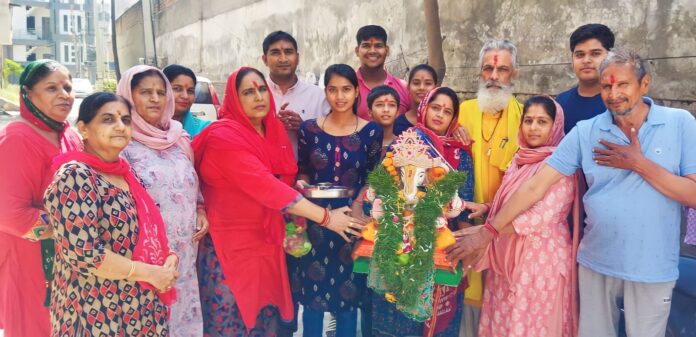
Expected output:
(404, 280)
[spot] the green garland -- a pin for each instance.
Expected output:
(405, 281)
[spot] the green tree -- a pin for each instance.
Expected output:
(109, 85)
(11, 69)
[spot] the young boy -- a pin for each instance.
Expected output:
(589, 45)
(372, 51)
(383, 104)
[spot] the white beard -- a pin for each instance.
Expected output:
(491, 100)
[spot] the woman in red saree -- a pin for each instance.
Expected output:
(247, 170)
(28, 145)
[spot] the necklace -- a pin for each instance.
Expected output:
(488, 141)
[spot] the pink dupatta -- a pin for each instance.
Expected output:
(525, 164)
(169, 132)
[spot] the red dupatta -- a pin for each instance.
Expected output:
(275, 144)
(234, 131)
(447, 145)
(69, 141)
(152, 246)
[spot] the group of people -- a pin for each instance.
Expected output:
(147, 221)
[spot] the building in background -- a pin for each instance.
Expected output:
(69, 31)
(102, 32)
(32, 31)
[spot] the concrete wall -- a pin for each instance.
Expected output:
(130, 37)
(217, 36)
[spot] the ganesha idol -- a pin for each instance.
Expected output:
(415, 167)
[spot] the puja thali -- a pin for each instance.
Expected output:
(327, 191)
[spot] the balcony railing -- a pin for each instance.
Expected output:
(31, 36)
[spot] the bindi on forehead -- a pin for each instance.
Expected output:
(495, 60)
(612, 79)
(255, 84)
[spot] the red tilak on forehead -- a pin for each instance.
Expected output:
(612, 80)
(256, 85)
(495, 60)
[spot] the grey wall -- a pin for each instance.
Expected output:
(130, 37)
(217, 36)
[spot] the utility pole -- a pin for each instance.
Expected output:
(117, 68)
(436, 58)
(149, 34)
(73, 34)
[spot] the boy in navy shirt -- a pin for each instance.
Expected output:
(589, 45)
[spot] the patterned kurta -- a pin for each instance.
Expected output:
(527, 291)
(328, 282)
(89, 216)
(171, 181)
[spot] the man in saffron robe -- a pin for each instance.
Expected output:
(492, 120)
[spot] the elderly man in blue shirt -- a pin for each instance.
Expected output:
(639, 160)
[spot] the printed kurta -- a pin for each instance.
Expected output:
(90, 215)
(171, 181)
(328, 282)
(527, 290)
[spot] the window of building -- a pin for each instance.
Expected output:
(72, 22)
(67, 54)
(31, 23)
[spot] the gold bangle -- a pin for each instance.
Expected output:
(132, 270)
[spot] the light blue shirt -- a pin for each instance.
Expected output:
(632, 230)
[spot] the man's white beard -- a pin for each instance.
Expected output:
(492, 99)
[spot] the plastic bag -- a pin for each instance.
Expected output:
(296, 242)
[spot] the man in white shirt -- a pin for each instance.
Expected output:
(296, 101)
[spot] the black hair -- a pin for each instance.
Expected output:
(420, 67)
(276, 36)
(369, 31)
(242, 73)
(40, 73)
(592, 31)
(346, 72)
(451, 94)
(92, 103)
(545, 101)
(380, 91)
(147, 73)
(173, 71)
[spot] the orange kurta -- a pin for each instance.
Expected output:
(491, 176)
(494, 144)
